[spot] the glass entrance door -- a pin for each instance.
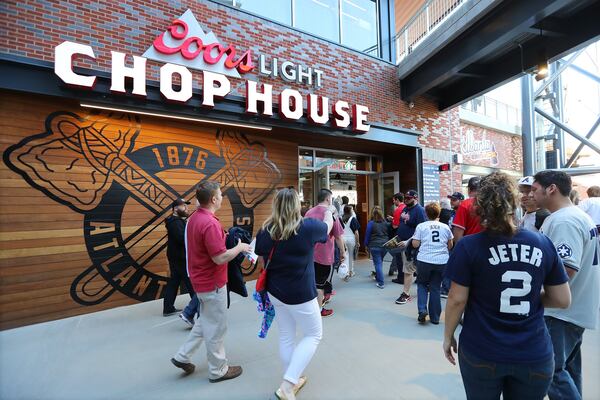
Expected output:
(375, 192)
(321, 180)
(391, 185)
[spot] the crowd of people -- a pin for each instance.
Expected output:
(518, 262)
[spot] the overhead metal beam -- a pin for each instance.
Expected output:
(590, 133)
(585, 29)
(503, 25)
(570, 131)
(475, 70)
(546, 32)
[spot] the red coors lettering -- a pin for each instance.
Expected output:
(193, 46)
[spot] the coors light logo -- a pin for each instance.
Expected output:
(185, 43)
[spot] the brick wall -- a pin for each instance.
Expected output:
(33, 28)
(507, 147)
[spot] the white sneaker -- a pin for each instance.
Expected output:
(185, 319)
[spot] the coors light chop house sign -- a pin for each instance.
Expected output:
(185, 45)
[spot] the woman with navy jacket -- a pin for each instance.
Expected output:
(502, 278)
(289, 242)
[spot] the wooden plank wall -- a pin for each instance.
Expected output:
(88, 166)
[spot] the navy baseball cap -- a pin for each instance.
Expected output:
(411, 194)
(457, 195)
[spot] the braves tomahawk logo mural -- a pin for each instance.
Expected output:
(92, 165)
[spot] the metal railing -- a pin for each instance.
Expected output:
(426, 20)
(494, 109)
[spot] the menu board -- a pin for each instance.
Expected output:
(431, 183)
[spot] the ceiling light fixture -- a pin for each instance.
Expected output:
(180, 117)
(542, 70)
(542, 66)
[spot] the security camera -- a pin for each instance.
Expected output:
(411, 105)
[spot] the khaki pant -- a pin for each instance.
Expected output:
(210, 326)
(408, 267)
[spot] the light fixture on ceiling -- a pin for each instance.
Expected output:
(542, 66)
(542, 69)
(180, 117)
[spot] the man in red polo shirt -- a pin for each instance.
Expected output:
(207, 259)
(397, 264)
(466, 221)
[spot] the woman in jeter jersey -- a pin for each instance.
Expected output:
(505, 277)
(434, 240)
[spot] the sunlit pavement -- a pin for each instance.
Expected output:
(372, 348)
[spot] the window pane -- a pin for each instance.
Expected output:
(277, 10)
(305, 189)
(319, 17)
(336, 162)
(305, 158)
(228, 2)
(359, 25)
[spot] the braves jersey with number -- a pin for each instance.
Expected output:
(504, 316)
(434, 237)
(576, 240)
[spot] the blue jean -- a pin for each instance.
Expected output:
(485, 379)
(566, 341)
(446, 285)
(191, 309)
(429, 276)
(378, 253)
(446, 282)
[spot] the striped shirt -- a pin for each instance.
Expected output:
(434, 237)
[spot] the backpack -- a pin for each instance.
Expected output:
(540, 216)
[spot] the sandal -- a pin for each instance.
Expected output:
(279, 395)
(300, 384)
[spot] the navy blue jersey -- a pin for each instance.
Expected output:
(504, 316)
(409, 219)
(291, 272)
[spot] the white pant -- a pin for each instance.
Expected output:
(211, 326)
(307, 316)
(350, 243)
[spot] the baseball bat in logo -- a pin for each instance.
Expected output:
(102, 149)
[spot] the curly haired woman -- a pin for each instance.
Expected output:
(502, 278)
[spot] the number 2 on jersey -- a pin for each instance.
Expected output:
(523, 306)
(435, 236)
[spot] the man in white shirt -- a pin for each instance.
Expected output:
(533, 216)
(591, 205)
(577, 242)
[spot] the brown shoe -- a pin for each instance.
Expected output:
(187, 367)
(233, 372)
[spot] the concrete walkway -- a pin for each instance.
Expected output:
(372, 348)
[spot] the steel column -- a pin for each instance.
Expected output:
(527, 125)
